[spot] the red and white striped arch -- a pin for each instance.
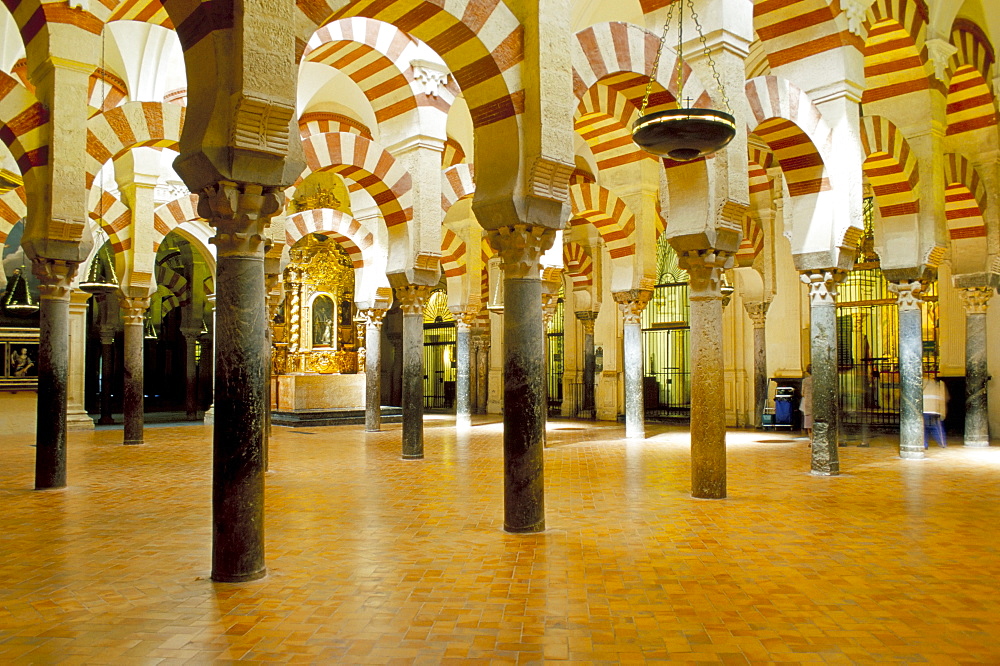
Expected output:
(609, 215)
(176, 284)
(343, 228)
(452, 154)
(792, 30)
(452, 254)
(366, 163)
(891, 167)
(579, 266)
(105, 91)
(143, 11)
(786, 120)
(457, 183)
(896, 61)
(169, 216)
(965, 203)
(118, 130)
(13, 208)
(971, 101)
(23, 121)
(115, 219)
(324, 122)
(752, 243)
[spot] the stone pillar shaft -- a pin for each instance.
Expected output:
(911, 389)
(589, 362)
(107, 361)
(758, 315)
(823, 350)
(133, 407)
(411, 299)
(632, 303)
(190, 376)
(483, 375)
(53, 369)
(463, 405)
(373, 369)
(977, 429)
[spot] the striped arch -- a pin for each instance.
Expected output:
(105, 91)
(971, 102)
(176, 284)
(452, 254)
(457, 182)
(973, 49)
(13, 208)
(376, 56)
(35, 18)
(760, 160)
(115, 219)
(959, 171)
(114, 132)
(787, 121)
(23, 121)
(343, 228)
(452, 154)
(965, 203)
(891, 167)
(579, 266)
(143, 11)
(793, 30)
(752, 243)
(321, 122)
(609, 215)
(171, 215)
(896, 58)
(366, 163)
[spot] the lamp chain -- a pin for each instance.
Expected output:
(656, 62)
(708, 55)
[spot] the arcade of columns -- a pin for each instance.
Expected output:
(548, 94)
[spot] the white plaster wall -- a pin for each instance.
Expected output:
(787, 317)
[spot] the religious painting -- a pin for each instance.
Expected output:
(323, 322)
(19, 349)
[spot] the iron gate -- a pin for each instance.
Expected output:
(666, 351)
(439, 365)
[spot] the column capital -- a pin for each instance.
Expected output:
(520, 247)
(240, 214)
(822, 284)
(632, 303)
(587, 318)
(975, 299)
(705, 268)
(373, 316)
(412, 297)
(56, 277)
(134, 309)
(757, 312)
(907, 294)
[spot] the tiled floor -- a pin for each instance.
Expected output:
(378, 560)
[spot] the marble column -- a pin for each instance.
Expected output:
(55, 277)
(823, 354)
(587, 319)
(483, 373)
(107, 363)
(209, 416)
(520, 247)
(473, 374)
(758, 316)
(632, 303)
(411, 300)
(133, 393)
(463, 374)
(76, 415)
(190, 375)
(708, 401)
(977, 430)
(373, 368)
(240, 214)
(911, 386)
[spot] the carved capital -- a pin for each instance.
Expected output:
(520, 248)
(587, 318)
(412, 297)
(240, 213)
(856, 11)
(373, 317)
(632, 303)
(976, 299)
(705, 268)
(823, 284)
(757, 313)
(55, 276)
(939, 52)
(134, 310)
(907, 294)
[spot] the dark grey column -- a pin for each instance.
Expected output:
(209, 416)
(191, 375)
(373, 368)
(463, 361)
(708, 402)
(587, 318)
(823, 350)
(411, 300)
(911, 387)
(107, 362)
(133, 408)
(758, 315)
(483, 373)
(521, 247)
(473, 374)
(977, 429)
(53, 370)
(632, 303)
(240, 214)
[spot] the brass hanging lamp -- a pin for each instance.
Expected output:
(683, 134)
(101, 278)
(18, 300)
(149, 331)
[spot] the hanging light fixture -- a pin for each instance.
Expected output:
(101, 278)
(18, 300)
(683, 134)
(149, 329)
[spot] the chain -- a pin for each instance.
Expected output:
(656, 63)
(708, 54)
(680, 55)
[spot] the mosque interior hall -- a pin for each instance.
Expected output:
(499, 331)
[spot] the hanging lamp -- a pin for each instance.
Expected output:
(18, 300)
(101, 278)
(683, 134)
(149, 331)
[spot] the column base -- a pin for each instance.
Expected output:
(978, 444)
(79, 421)
(531, 529)
(106, 421)
(463, 421)
(209, 417)
(239, 578)
(907, 454)
(133, 442)
(416, 456)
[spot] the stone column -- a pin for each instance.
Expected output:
(463, 376)
(190, 374)
(209, 416)
(240, 214)
(133, 393)
(758, 316)
(708, 402)
(373, 368)
(588, 318)
(632, 303)
(76, 416)
(473, 374)
(520, 247)
(977, 430)
(411, 300)
(107, 361)
(483, 373)
(823, 354)
(911, 386)
(53, 368)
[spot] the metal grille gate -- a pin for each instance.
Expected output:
(666, 349)
(439, 365)
(554, 338)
